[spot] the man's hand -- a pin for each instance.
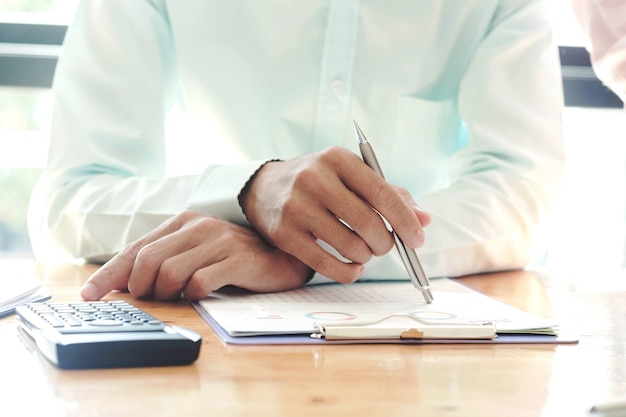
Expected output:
(332, 196)
(195, 254)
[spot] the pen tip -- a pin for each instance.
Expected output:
(359, 133)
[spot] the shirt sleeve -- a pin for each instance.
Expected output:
(504, 181)
(105, 185)
(604, 22)
(508, 176)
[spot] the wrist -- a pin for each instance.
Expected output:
(246, 195)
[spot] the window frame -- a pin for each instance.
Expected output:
(581, 86)
(29, 53)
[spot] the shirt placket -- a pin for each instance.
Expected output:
(336, 74)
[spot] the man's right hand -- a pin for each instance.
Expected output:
(295, 203)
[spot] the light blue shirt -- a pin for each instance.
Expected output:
(460, 99)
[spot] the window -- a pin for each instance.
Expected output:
(30, 36)
(590, 221)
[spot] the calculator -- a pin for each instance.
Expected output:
(105, 334)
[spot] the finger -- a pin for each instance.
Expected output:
(208, 279)
(384, 198)
(327, 227)
(365, 222)
(163, 268)
(423, 216)
(115, 274)
(326, 200)
(112, 275)
(150, 259)
(287, 273)
(175, 272)
(309, 252)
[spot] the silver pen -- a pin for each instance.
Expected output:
(409, 256)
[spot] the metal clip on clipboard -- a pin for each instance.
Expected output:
(404, 326)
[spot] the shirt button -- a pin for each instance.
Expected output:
(336, 86)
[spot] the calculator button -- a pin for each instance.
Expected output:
(96, 317)
(105, 323)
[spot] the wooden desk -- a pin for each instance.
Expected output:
(358, 380)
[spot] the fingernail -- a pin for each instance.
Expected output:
(362, 271)
(89, 292)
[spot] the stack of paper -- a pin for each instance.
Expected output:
(369, 311)
(16, 292)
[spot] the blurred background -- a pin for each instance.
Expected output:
(588, 229)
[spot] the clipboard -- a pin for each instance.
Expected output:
(328, 314)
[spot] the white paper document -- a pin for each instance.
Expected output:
(368, 310)
(15, 292)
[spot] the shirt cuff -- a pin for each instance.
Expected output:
(217, 190)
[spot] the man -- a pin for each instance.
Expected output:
(461, 100)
